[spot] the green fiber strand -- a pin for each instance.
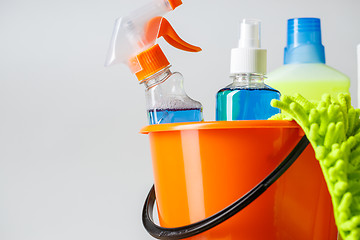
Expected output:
(351, 116)
(341, 167)
(351, 224)
(343, 108)
(348, 100)
(345, 202)
(287, 99)
(314, 132)
(330, 136)
(335, 147)
(355, 160)
(340, 188)
(354, 235)
(282, 105)
(340, 133)
(324, 122)
(322, 107)
(314, 116)
(333, 111)
(337, 172)
(332, 157)
(300, 114)
(357, 120)
(345, 148)
(326, 99)
(343, 101)
(320, 152)
(353, 142)
(307, 105)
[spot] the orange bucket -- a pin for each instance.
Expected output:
(202, 168)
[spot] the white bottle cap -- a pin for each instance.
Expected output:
(248, 57)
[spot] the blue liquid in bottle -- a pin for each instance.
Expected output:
(245, 104)
(159, 116)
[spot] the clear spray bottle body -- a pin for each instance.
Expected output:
(167, 101)
(247, 98)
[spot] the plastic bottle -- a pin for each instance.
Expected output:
(134, 43)
(167, 101)
(248, 97)
(304, 70)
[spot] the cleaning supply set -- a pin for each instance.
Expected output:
(272, 178)
(134, 43)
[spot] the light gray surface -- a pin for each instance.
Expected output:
(72, 164)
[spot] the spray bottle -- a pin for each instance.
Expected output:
(304, 70)
(247, 98)
(134, 44)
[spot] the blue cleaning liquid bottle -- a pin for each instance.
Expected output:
(248, 97)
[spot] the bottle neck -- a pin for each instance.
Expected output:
(304, 42)
(248, 78)
(157, 78)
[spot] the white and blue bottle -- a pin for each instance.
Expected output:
(248, 97)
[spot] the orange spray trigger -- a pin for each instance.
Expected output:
(160, 27)
(174, 3)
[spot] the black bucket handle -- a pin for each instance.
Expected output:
(219, 217)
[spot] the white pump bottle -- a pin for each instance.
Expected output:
(247, 98)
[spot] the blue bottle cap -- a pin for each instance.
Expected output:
(304, 41)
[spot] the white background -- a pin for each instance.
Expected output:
(72, 164)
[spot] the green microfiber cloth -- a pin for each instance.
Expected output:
(333, 129)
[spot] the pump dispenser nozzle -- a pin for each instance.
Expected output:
(249, 34)
(249, 57)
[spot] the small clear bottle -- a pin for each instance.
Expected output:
(167, 101)
(248, 97)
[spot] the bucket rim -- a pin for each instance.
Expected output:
(206, 125)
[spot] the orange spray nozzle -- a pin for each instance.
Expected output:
(153, 59)
(160, 27)
(174, 3)
(133, 41)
